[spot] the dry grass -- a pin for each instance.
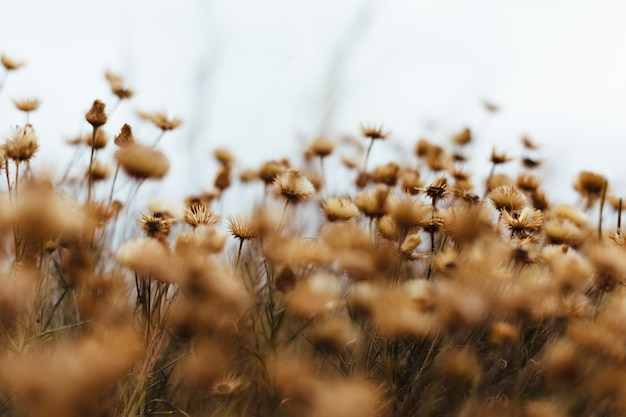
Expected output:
(398, 297)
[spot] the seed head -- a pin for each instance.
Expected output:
(156, 225)
(373, 202)
(462, 138)
(526, 221)
(374, 132)
(198, 214)
(161, 120)
(125, 137)
(242, 229)
(590, 185)
(21, 145)
(116, 82)
(228, 384)
(223, 156)
(142, 162)
(11, 64)
(293, 186)
(271, 169)
(27, 104)
(222, 178)
(96, 115)
(322, 146)
(507, 198)
(99, 141)
(499, 158)
(385, 174)
(339, 209)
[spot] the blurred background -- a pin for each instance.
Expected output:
(264, 77)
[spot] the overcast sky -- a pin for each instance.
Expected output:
(263, 77)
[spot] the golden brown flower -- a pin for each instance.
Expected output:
(125, 137)
(223, 156)
(27, 104)
(198, 214)
(156, 225)
(10, 64)
(21, 145)
(499, 158)
(161, 120)
(96, 115)
(374, 132)
(116, 82)
(507, 198)
(322, 146)
(590, 186)
(462, 138)
(293, 186)
(242, 229)
(142, 162)
(526, 221)
(339, 209)
(228, 384)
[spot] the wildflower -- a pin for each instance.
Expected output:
(410, 180)
(161, 120)
(563, 231)
(526, 221)
(116, 82)
(374, 132)
(499, 158)
(222, 178)
(293, 186)
(438, 190)
(99, 141)
(385, 174)
(507, 198)
(316, 295)
(10, 64)
(125, 137)
(242, 229)
(142, 162)
(409, 244)
(528, 182)
(322, 146)
(409, 214)
(462, 138)
(146, 256)
(333, 334)
(27, 104)
(99, 171)
(198, 214)
(228, 384)
(590, 186)
(271, 169)
(529, 143)
(339, 209)
(96, 115)
(503, 333)
(285, 280)
(21, 145)
(224, 156)
(373, 202)
(156, 225)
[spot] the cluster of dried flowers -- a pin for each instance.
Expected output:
(408, 294)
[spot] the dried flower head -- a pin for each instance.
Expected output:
(27, 104)
(438, 190)
(99, 171)
(156, 225)
(21, 145)
(409, 214)
(590, 186)
(373, 202)
(242, 229)
(315, 295)
(529, 143)
(410, 180)
(528, 182)
(10, 64)
(147, 257)
(374, 132)
(322, 146)
(142, 162)
(499, 158)
(507, 198)
(96, 115)
(161, 120)
(198, 214)
(293, 186)
(223, 156)
(271, 169)
(228, 384)
(524, 222)
(222, 178)
(99, 141)
(462, 138)
(125, 137)
(339, 209)
(117, 84)
(385, 174)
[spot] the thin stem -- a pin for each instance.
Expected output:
(282, 217)
(367, 155)
(117, 171)
(238, 256)
(91, 160)
(158, 139)
(602, 201)
(619, 217)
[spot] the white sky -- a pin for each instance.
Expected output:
(262, 76)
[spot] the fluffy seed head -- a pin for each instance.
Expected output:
(198, 214)
(462, 138)
(374, 132)
(322, 146)
(11, 64)
(161, 120)
(507, 198)
(27, 104)
(339, 209)
(242, 229)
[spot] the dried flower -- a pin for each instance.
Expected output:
(156, 225)
(590, 186)
(339, 209)
(116, 82)
(322, 146)
(507, 198)
(96, 115)
(223, 156)
(27, 104)
(526, 221)
(161, 120)
(374, 132)
(21, 145)
(125, 137)
(228, 384)
(242, 229)
(142, 162)
(198, 214)
(10, 64)
(499, 158)
(293, 186)
(462, 138)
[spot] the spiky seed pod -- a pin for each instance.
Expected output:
(499, 158)
(161, 120)
(271, 169)
(21, 145)
(373, 202)
(507, 198)
(242, 229)
(590, 185)
(156, 225)
(96, 115)
(293, 186)
(125, 137)
(526, 221)
(198, 214)
(385, 174)
(142, 162)
(528, 182)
